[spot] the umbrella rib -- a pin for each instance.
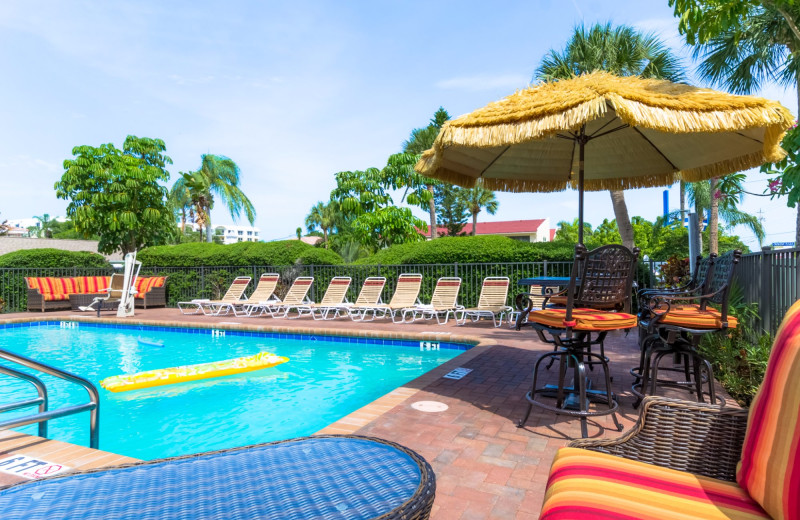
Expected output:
(494, 161)
(605, 125)
(748, 137)
(571, 159)
(622, 127)
(654, 147)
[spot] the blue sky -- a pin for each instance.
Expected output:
(292, 91)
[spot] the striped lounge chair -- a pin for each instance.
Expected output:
(694, 460)
(212, 307)
(296, 295)
(492, 302)
(368, 297)
(405, 295)
(335, 295)
(444, 302)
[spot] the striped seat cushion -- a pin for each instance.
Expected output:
(583, 319)
(690, 316)
(588, 485)
(146, 283)
(52, 288)
(770, 465)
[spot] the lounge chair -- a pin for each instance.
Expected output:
(491, 302)
(444, 302)
(335, 295)
(296, 295)
(405, 296)
(324, 476)
(264, 291)
(212, 307)
(368, 297)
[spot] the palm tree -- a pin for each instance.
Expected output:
(218, 175)
(399, 171)
(764, 48)
(180, 198)
(478, 198)
(324, 216)
(720, 199)
(622, 51)
(44, 226)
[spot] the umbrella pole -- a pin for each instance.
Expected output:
(581, 144)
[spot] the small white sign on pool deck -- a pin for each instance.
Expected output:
(30, 467)
(457, 373)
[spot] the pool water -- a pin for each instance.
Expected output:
(324, 380)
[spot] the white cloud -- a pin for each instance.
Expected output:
(484, 82)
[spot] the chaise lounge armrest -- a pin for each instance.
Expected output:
(698, 438)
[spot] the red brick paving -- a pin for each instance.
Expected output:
(486, 467)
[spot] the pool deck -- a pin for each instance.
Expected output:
(486, 467)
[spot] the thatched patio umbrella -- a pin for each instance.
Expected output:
(634, 133)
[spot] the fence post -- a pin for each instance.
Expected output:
(455, 269)
(545, 271)
(313, 288)
(765, 295)
(202, 280)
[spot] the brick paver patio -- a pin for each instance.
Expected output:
(485, 466)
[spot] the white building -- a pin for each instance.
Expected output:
(233, 234)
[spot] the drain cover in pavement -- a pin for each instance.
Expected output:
(429, 406)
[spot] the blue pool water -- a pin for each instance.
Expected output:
(325, 379)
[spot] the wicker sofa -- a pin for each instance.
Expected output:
(54, 293)
(694, 460)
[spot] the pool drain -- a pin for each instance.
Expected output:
(429, 406)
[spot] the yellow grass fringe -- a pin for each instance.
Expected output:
(558, 107)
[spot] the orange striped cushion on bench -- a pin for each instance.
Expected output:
(588, 485)
(93, 284)
(584, 319)
(144, 284)
(770, 465)
(52, 288)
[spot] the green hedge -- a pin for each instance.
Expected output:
(52, 258)
(465, 250)
(287, 252)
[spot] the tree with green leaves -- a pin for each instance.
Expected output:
(43, 228)
(399, 171)
(323, 216)
(180, 198)
(622, 51)
(479, 198)
(368, 211)
(217, 176)
(451, 208)
(743, 45)
(568, 232)
(118, 195)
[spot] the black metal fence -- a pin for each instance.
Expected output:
(186, 283)
(770, 278)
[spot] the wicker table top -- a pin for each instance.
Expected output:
(336, 477)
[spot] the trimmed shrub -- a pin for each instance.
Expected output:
(287, 252)
(478, 249)
(52, 258)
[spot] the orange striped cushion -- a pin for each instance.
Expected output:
(584, 319)
(770, 465)
(94, 284)
(692, 317)
(70, 286)
(51, 288)
(588, 485)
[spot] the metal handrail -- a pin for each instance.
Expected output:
(44, 415)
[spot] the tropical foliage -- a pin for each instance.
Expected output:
(217, 176)
(118, 195)
(743, 45)
(479, 198)
(451, 208)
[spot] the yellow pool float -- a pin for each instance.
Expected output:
(168, 376)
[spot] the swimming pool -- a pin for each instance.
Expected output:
(325, 379)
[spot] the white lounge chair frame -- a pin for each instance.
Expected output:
(213, 307)
(406, 294)
(335, 296)
(368, 297)
(492, 302)
(296, 295)
(444, 303)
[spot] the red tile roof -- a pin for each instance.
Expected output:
(506, 227)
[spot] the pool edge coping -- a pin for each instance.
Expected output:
(355, 420)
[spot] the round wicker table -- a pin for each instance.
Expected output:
(326, 477)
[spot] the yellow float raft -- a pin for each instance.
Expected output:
(168, 376)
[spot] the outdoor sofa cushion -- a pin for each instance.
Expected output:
(93, 284)
(584, 319)
(770, 465)
(53, 288)
(145, 283)
(586, 484)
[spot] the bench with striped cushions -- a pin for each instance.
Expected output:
(56, 289)
(145, 283)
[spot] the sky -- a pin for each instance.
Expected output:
(293, 92)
